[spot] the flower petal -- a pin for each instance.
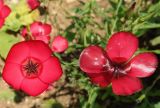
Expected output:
(121, 46)
(18, 53)
(33, 87)
(1, 4)
(102, 79)
(43, 38)
(12, 75)
(39, 49)
(93, 59)
(36, 29)
(40, 29)
(51, 70)
(126, 85)
(24, 32)
(5, 11)
(143, 65)
(59, 44)
(47, 29)
(33, 4)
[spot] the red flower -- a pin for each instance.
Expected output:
(38, 31)
(116, 65)
(30, 67)
(59, 44)
(4, 12)
(33, 4)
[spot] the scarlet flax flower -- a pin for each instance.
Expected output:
(30, 67)
(59, 44)
(4, 12)
(38, 31)
(33, 4)
(118, 65)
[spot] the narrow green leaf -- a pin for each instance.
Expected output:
(146, 26)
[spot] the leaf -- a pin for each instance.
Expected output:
(12, 22)
(6, 94)
(157, 105)
(21, 7)
(6, 42)
(155, 41)
(146, 26)
(155, 51)
(27, 19)
(155, 9)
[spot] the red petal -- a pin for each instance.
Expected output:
(1, 22)
(143, 65)
(18, 53)
(12, 75)
(5, 11)
(59, 44)
(33, 4)
(39, 29)
(36, 29)
(102, 79)
(45, 39)
(121, 46)
(33, 87)
(93, 59)
(39, 49)
(24, 32)
(126, 85)
(47, 29)
(51, 70)
(1, 4)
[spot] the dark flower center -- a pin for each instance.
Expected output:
(120, 70)
(31, 68)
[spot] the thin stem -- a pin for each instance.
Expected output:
(116, 13)
(143, 96)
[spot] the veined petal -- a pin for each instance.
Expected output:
(18, 53)
(93, 59)
(121, 46)
(51, 71)
(12, 75)
(33, 86)
(126, 85)
(143, 65)
(101, 79)
(39, 49)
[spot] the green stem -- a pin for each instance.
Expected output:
(116, 13)
(143, 96)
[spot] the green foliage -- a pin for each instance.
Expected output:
(157, 105)
(51, 103)
(6, 95)
(21, 15)
(6, 42)
(93, 24)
